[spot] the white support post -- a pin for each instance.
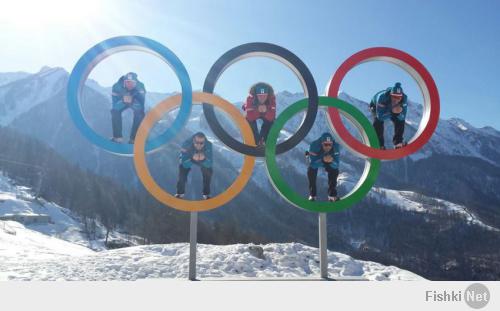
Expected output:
(323, 251)
(193, 231)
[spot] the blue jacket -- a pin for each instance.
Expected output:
(188, 151)
(383, 107)
(316, 152)
(119, 90)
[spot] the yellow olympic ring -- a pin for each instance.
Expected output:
(153, 116)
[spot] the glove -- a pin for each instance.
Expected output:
(397, 109)
(328, 159)
(199, 156)
(127, 99)
(262, 108)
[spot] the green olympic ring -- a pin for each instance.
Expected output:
(370, 173)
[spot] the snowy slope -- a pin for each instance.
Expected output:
(64, 224)
(29, 255)
(60, 250)
(416, 202)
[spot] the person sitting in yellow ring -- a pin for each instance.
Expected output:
(195, 150)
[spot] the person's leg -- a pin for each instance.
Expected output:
(264, 131)
(181, 181)
(207, 177)
(116, 121)
(312, 174)
(255, 130)
(399, 128)
(332, 180)
(379, 129)
(138, 117)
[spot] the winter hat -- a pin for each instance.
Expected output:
(397, 90)
(261, 88)
(199, 134)
(131, 76)
(327, 138)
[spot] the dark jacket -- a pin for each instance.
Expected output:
(119, 90)
(316, 152)
(251, 105)
(381, 104)
(188, 150)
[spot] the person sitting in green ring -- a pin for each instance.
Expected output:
(323, 152)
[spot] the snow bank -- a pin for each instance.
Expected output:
(30, 255)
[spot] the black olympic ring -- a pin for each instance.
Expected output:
(282, 55)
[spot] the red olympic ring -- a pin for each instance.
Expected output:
(430, 114)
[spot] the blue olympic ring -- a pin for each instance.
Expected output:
(99, 52)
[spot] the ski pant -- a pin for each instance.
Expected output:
(264, 131)
(116, 120)
(183, 174)
(399, 128)
(312, 174)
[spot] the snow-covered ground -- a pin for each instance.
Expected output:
(29, 255)
(61, 250)
(15, 199)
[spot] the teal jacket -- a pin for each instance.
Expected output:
(119, 90)
(188, 150)
(381, 102)
(316, 152)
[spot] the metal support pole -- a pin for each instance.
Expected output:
(323, 255)
(193, 232)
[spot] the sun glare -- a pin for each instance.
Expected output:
(36, 13)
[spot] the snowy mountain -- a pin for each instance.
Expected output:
(8, 77)
(27, 91)
(448, 187)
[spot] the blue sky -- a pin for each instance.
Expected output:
(458, 42)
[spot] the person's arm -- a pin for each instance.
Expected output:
(336, 154)
(115, 95)
(247, 106)
(315, 153)
(404, 105)
(186, 153)
(381, 103)
(207, 162)
(383, 107)
(271, 110)
(140, 94)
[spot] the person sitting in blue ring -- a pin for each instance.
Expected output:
(128, 92)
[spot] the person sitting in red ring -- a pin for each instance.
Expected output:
(260, 104)
(390, 104)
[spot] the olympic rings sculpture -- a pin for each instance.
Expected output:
(368, 149)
